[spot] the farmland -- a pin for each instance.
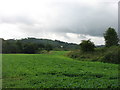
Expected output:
(56, 70)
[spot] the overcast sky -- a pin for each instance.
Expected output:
(65, 20)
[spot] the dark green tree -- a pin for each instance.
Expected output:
(19, 46)
(48, 47)
(111, 37)
(9, 47)
(30, 48)
(87, 46)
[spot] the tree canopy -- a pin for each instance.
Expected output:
(87, 46)
(111, 37)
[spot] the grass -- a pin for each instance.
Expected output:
(55, 70)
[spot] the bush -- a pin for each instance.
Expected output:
(112, 55)
(74, 54)
(104, 54)
(87, 46)
(43, 52)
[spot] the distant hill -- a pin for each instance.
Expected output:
(58, 45)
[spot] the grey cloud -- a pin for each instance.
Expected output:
(17, 19)
(69, 17)
(84, 19)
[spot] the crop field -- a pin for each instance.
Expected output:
(55, 70)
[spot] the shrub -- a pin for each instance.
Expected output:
(74, 54)
(104, 54)
(112, 55)
(87, 46)
(43, 52)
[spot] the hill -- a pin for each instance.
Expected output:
(35, 45)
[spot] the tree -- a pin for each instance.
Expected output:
(30, 48)
(19, 46)
(9, 47)
(111, 37)
(87, 46)
(48, 47)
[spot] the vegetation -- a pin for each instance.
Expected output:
(109, 54)
(48, 47)
(87, 46)
(112, 55)
(36, 66)
(33, 45)
(102, 54)
(55, 70)
(111, 37)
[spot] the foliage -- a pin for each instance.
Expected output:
(56, 71)
(42, 52)
(112, 55)
(109, 54)
(22, 45)
(30, 48)
(9, 47)
(87, 46)
(103, 54)
(111, 37)
(74, 54)
(48, 47)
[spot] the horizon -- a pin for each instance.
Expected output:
(47, 39)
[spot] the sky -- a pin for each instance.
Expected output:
(66, 20)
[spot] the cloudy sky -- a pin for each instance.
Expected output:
(65, 20)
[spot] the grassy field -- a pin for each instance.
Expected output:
(55, 70)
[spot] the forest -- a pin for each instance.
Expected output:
(34, 45)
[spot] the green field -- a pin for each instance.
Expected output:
(55, 70)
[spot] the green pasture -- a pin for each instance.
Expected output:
(56, 70)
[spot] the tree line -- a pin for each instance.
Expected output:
(33, 45)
